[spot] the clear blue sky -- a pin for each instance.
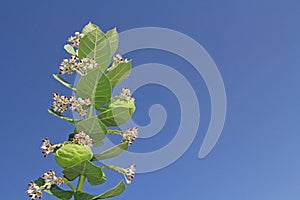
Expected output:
(256, 47)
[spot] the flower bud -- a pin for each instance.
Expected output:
(72, 154)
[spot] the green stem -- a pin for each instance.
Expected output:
(115, 168)
(70, 185)
(79, 72)
(91, 111)
(64, 82)
(115, 132)
(80, 183)
(61, 117)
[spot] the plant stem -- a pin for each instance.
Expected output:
(80, 183)
(61, 117)
(115, 168)
(91, 111)
(63, 82)
(79, 72)
(115, 132)
(70, 185)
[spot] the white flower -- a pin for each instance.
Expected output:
(49, 176)
(86, 64)
(129, 173)
(75, 40)
(81, 101)
(118, 58)
(79, 105)
(67, 66)
(87, 102)
(82, 138)
(47, 147)
(130, 135)
(126, 94)
(60, 103)
(34, 191)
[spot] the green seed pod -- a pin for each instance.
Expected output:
(72, 154)
(118, 112)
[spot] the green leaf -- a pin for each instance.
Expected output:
(94, 174)
(118, 73)
(71, 136)
(117, 113)
(94, 128)
(103, 92)
(117, 190)
(39, 182)
(70, 49)
(83, 196)
(96, 86)
(60, 193)
(95, 45)
(111, 152)
(113, 38)
(89, 27)
(61, 117)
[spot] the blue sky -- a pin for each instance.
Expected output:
(255, 45)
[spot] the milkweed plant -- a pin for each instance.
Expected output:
(100, 70)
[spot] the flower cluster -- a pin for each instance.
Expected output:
(129, 173)
(118, 59)
(75, 40)
(82, 138)
(50, 179)
(62, 103)
(130, 135)
(48, 148)
(68, 66)
(86, 64)
(79, 105)
(34, 191)
(126, 94)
